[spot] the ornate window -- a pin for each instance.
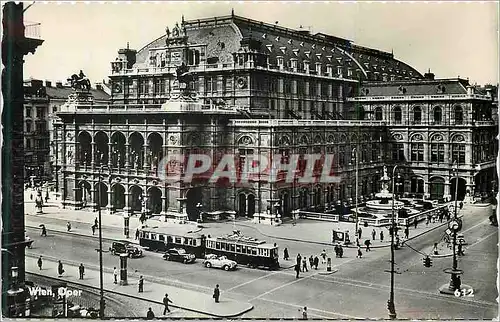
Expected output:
(378, 114)
(417, 185)
(417, 148)
(398, 152)
(458, 115)
(341, 159)
(438, 115)
(417, 115)
(397, 115)
(437, 149)
(458, 149)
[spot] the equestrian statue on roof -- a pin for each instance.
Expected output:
(79, 82)
(183, 74)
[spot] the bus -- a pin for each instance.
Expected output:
(244, 250)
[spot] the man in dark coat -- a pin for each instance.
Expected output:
(141, 284)
(341, 251)
(40, 262)
(336, 248)
(285, 254)
(137, 233)
(81, 269)
(316, 262)
(166, 300)
(299, 259)
(216, 293)
(367, 244)
(297, 270)
(407, 232)
(93, 229)
(60, 269)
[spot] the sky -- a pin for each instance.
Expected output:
(450, 39)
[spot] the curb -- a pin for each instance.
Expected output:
(143, 299)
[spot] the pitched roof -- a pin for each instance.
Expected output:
(65, 91)
(416, 87)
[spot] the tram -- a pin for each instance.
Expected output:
(243, 250)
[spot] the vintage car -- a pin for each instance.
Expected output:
(179, 255)
(213, 260)
(125, 247)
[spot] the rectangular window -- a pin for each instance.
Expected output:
(312, 88)
(238, 248)
(28, 127)
(437, 153)
(146, 235)
(40, 113)
(28, 143)
(398, 154)
(186, 241)
(417, 152)
(244, 249)
(232, 247)
(28, 112)
(178, 240)
(217, 245)
(161, 237)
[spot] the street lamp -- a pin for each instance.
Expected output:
(102, 303)
(355, 156)
(199, 206)
(390, 304)
(454, 226)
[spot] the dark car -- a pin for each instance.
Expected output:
(125, 247)
(179, 255)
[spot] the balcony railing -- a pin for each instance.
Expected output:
(32, 30)
(287, 122)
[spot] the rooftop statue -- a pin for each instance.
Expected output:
(79, 82)
(183, 74)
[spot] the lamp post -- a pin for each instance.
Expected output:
(102, 303)
(199, 206)
(355, 155)
(390, 304)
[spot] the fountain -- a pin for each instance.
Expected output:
(381, 207)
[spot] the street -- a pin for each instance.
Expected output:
(359, 289)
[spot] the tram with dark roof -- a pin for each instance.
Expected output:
(242, 249)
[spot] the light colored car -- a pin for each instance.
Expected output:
(213, 260)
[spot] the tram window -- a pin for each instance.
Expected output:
(254, 251)
(169, 239)
(244, 249)
(141, 234)
(161, 237)
(186, 241)
(193, 242)
(153, 236)
(146, 235)
(266, 252)
(238, 248)
(178, 240)
(249, 250)
(232, 247)
(217, 245)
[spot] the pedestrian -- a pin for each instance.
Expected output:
(137, 233)
(31, 196)
(285, 254)
(316, 262)
(115, 275)
(304, 313)
(323, 256)
(407, 232)
(441, 215)
(428, 220)
(141, 284)
(341, 251)
(96, 222)
(461, 204)
(397, 242)
(47, 197)
(81, 269)
(297, 270)
(359, 252)
(374, 233)
(216, 293)
(68, 225)
(299, 259)
(39, 262)
(44, 231)
(60, 269)
(460, 250)
(381, 235)
(166, 300)
(415, 222)
(359, 232)
(93, 229)
(435, 249)
(367, 244)
(304, 265)
(311, 262)
(150, 315)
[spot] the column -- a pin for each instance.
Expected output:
(110, 205)
(447, 189)
(127, 208)
(92, 203)
(75, 189)
(92, 154)
(145, 163)
(110, 156)
(127, 157)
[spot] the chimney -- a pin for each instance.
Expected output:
(48, 83)
(488, 92)
(429, 75)
(59, 85)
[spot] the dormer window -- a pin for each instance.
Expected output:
(280, 62)
(349, 72)
(318, 68)
(329, 70)
(306, 66)
(393, 78)
(339, 71)
(293, 64)
(384, 77)
(441, 89)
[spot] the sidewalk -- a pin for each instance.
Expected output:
(153, 292)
